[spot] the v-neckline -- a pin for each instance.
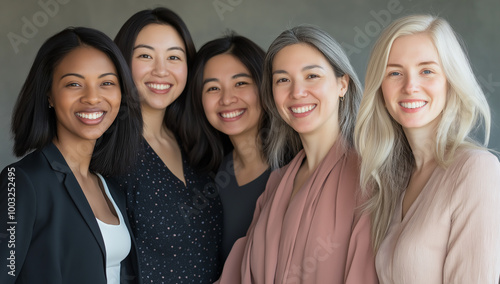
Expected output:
(404, 219)
(165, 165)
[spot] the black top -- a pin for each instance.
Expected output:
(178, 228)
(48, 232)
(238, 202)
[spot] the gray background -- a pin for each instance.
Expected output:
(356, 24)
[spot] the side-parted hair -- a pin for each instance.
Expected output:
(205, 145)
(34, 123)
(387, 159)
(283, 141)
(127, 35)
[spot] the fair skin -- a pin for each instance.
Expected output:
(306, 93)
(231, 103)
(415, 90)
(85, 96)
(159, 69)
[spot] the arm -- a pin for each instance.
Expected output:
(360, 265)
(17, 215)
(473, 252)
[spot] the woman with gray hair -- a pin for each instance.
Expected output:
(307, 226)
(435, 190)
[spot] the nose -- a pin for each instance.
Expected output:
(91, 96)
(227, 98)
(160, 67)
(297, 91)
(411, 84)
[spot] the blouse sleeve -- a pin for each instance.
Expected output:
(473, 252)
(360, 265)
(17, 217)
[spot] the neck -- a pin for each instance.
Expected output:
(316, 147)
(247, 150)
(423, 146)
(153, 123)
(77, 155)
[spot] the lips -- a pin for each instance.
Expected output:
(302, 109)
(413, 105)
(231, 114)
(90, 115)
(159, 86)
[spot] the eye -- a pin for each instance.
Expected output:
(427, 72)
(282, 80)
(174, 57)
(394, 73)
(146, 56)
(241, 84)
(108, 83)
(312, 76)
(73, 85)
(211, 89)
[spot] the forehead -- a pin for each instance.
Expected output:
(224, 63)
(158, 35)
(85, 59)
(413, 48)
(298, 55)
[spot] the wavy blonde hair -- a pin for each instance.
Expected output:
(387, 159)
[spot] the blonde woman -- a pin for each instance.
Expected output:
(436, 190)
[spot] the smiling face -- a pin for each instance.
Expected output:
(85, 94)
(306, 90)
(414, 85)
(159, 66)
(230, 96)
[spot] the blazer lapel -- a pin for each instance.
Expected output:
(66, 177)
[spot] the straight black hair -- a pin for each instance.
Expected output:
(125, 39)
(34, 123)
(206, 146)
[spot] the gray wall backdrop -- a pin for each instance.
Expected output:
(356, 24)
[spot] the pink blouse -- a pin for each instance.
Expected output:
(451, 232)
(320, 236)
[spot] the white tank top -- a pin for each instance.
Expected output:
(116, 241)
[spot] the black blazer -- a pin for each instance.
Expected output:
(48, 232)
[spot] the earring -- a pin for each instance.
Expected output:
(342, 99)
(50, 106)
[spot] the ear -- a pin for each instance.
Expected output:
(49, 99)
(344, 84)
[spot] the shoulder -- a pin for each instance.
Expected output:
(474, 173)
(469, 160)
(31, 165)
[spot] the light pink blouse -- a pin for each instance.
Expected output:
(319, 236)
(451, 233)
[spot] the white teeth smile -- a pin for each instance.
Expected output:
(413, 104)
(158, 86)
(302, 109)
(232, 114)
(92, 115)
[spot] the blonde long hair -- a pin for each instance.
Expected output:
(387, 159)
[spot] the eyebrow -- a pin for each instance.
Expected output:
(235, 76)
(81, 76)
(308, 67)
(420, 64)
(152, 48)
